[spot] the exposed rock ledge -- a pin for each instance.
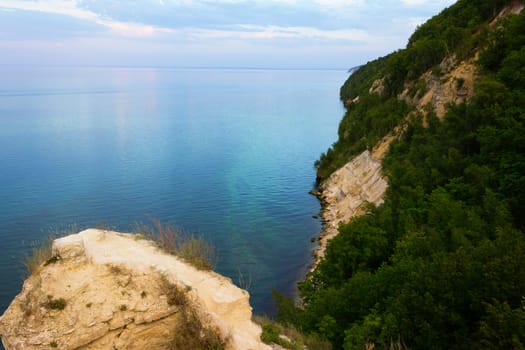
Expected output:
(112, 287)
(345, 193)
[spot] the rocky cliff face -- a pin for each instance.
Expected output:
(345, 193)
(107, 290)
(360, 181)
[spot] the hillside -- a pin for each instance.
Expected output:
(437, 261)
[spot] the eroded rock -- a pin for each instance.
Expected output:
(107, 291)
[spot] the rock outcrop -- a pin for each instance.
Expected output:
(346, 192)
(454, 84)
(108, 290)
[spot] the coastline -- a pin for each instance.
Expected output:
(345, 194)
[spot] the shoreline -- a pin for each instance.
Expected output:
(345, 194)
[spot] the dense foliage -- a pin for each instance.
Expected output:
(441, 264)
(459, 30)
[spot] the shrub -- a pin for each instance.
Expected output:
(41, 252)
(193, 249)
(191, 333)
(40, 255)
(55, 304)
(288, 336)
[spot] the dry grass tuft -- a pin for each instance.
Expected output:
(193, 249)
(175, 295)
(191, 332)
(41, 255)
(41, 252)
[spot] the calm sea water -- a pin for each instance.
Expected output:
(224, 153)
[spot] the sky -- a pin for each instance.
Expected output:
(337, 34)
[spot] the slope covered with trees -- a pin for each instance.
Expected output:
(441, 264)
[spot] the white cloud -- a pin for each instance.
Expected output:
(439, 3)
(334, 4)
(271, 32)
(62, 7)
(70, 8)
(351, 31)
(134, 29)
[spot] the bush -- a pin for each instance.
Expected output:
(191, 333)
(55, 304)
(193, 249)
(288, 336)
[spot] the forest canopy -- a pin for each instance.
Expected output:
(439, 265)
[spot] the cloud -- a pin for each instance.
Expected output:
(338, 4)
(347, 31)
(69, 9)
(134, 29)
(63, 7)
(52, 26)
(439, 3)
(277, 32)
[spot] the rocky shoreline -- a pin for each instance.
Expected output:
(346, 193)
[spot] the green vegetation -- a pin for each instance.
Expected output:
(288, 336)
(458, 31)
(364, 124)
(55, 304)
(53, 344)
(440, 264)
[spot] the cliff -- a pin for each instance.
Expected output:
(108, 290)
(439, 263)
(345, 193)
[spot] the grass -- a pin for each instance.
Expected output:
(288, 336)
(191, 333)
(41, 250)
(195, 250)
(174, 294)
(244, 282)
(41, 253)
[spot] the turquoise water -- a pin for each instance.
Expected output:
(224, 153)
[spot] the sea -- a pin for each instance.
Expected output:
(222, 153)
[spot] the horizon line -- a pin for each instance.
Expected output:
(24, 65)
